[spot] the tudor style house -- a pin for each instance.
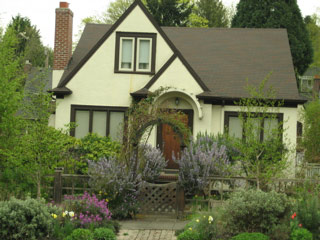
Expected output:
(205, 69)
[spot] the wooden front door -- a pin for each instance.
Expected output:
(170, 142)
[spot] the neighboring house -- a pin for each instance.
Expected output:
(37, 78)
(206, 70)
(307, 80)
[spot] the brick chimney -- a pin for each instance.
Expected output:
(63, 36)
(316, 86)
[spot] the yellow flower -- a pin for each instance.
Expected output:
(100, 192)
(63, 214)
(107, 200)
(71, 214)
(54, 215)
(197, 220)
(190, 228)
(210, 218)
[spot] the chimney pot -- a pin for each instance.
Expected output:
(64, 5)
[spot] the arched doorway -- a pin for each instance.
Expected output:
(167, 139)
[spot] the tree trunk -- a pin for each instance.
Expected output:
(38, 185)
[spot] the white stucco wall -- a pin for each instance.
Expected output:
(97, 84)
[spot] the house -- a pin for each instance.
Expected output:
(307, 80)
(205, 69)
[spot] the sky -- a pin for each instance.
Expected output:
(42, 12)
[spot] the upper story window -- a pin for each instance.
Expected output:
(135, 53)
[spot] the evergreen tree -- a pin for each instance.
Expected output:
(170, 12)
(214, 11)
(278, 14)
(30, 46)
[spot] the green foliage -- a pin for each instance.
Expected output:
(214, 11)
(313, 26)
(189, 235)
(104, 234)
(244, 209)
(197, 21)
(301, 234)
(94, 147)
(25, 219)
(10, 82)
(170, 12)
(266, 158)
(80, 234)
(278, 14)
(250, 236)
(62, 229)
(281, 231)
(308, 213)
(311, 133)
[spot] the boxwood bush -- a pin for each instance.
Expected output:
(104, 234)
(80, 234)
(25, 219)
(250, 236)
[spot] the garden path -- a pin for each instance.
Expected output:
(150, 227)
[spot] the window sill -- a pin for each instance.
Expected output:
(134, 72)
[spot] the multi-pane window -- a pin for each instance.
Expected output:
(135, 53)
(262, 128)
(105, 121)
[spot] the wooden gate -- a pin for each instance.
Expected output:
(161, 199)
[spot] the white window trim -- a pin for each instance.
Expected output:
(132, 56)
(138, 51)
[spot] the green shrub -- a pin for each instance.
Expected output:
(301, 234)
(251, 236)
(244, 211)
(308, 213)
(189, 235)
(25, 219)
(104, 234)
(280, 232)
(80, 234)
(203, 225)
(111, 224)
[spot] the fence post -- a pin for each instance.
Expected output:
(180, 201)
(57, 188)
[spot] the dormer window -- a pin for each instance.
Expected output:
(135, 53)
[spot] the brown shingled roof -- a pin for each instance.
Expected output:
(223, 58)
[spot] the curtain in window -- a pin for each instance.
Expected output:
(99, 123)
(235, 127)
(82, 121)
(126, 56)
(116, 124)
(144, 54)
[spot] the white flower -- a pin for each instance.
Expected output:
(210, 219)
(71, 214)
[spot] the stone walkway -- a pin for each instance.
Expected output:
(153, 227)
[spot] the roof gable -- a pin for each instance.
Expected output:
(86, 48)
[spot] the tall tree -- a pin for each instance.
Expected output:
(278, 14)
(313, 26)
(30, 46)
(170, 12)
(214, 11)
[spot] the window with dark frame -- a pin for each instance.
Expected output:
(135, 53)
(105, 121)
(233, 125)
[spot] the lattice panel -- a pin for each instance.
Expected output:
(158, 198)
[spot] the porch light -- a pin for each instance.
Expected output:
(177, 101)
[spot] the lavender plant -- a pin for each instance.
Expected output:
(200, 160)
(118, 182)
(153, 162)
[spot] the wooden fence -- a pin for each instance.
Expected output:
(169, 197)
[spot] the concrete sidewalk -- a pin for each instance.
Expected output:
(150, 227)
